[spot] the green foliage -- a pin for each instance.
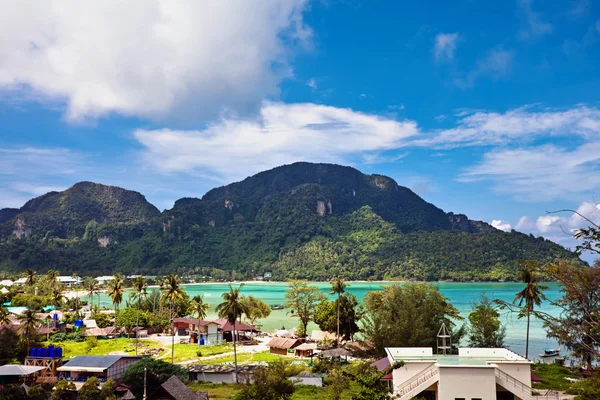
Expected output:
(588, 389)
(108, 389)
(302, 301)
(158, 372)
(408, 315)
(102, 320)
(485, 329)
(90, 390)
(127, 318)
(31, 301)
(337, 384)
(61, 388)
(67, 337)
(13, 392)
(37, 393)
(269, 383)
(13, 347)
(91, 343)
(369, 380)
(370, 228)
(257, 309)
(350, 315)
(553, 376)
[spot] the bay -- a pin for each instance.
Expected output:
(461, 294)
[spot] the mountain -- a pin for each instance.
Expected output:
(301, 220)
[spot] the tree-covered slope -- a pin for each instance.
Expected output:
(302, 220)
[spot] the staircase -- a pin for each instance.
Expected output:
(513, 385)
(419, 383)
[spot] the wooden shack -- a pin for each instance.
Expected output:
(283, 346)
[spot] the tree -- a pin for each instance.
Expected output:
(302, 300)
(576, 327)
(51, 275)
(4, 316)
(57, 297)
(61, 388)
(140, 287)
(108, 389)
(30, 277)
(90, 390)
(115, 291)
(337, 384)
(172, 292)
(232, 308)
(485, 329)
(269, 383)
(530, 297)
(407, 315)
(158, 372)
(338, 286)
(257, 309)
(345, 310)
(91, 286)
(199, 308)
(130, 317)
(369, 381)
(29, 324)
(37, 393)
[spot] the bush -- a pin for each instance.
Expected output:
(199, 353)
(158, 372)
(91, 342)
(68, 337)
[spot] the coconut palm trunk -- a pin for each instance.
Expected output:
(235, 353)
(137, 324)
(527, 338)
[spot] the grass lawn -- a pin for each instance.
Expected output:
(104, 347)
(553, 376)
(227, 391)
(245, 358)
(185, 352)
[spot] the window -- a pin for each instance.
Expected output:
(459, 398)
(476, 398)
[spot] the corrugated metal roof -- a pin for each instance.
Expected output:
(18, 370)
(283, 343)
(94, 361)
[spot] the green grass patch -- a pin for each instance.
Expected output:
(227, 391)
(553, 376)
(185, 352)
(103, 347)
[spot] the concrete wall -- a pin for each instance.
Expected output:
(467, 383)
(309, 381)
(520, 371)
(409, 370)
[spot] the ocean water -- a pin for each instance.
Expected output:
(462, 295)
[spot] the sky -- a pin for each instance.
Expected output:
(490, 109)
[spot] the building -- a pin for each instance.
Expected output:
(6, 282)
(20, 281)
(13, 374)
(69, 280)
(174, 389)
(81, 368)
(102, 280)
(220, 373)
(474, 373)
(283, 346)
(308, 379)
(209, 330)
(305, 350)
(242, 330)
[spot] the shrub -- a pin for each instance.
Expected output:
(91, 342)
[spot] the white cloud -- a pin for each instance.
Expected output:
(312, 84)
(37, 190)
(283, 133)
(496, 64)
(445, 46)
(150, 58)
(525, 123)
(542, 173)
(440, 117)
(534, 25)
(503, 226)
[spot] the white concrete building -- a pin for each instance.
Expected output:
(6, 282)
(473, 374)
(20, 281)
(69, 280)
(103, 279)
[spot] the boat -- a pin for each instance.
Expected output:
(550, 353)
(277, 307)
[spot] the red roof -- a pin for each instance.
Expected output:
(239, 326)
(382, 364)
(535, 378)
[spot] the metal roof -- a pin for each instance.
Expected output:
(18, 370)
(92, 363)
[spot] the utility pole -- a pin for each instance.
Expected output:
(145, 383)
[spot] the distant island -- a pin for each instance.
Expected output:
(304, 220)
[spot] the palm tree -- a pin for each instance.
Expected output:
(52, 275)
(232, 308)
(74, 276)
(172, 292)
(91, 286)
(4, 316)
(338, 286)
(29, 277)
(29, 323)
(57, 296)
(115, 291)
(532, 295)
(199, 308)
(140, 287)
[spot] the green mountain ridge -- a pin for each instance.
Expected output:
(301, 220)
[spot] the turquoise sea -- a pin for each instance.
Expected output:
(462, 296)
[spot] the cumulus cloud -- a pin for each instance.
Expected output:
(150, 58)
(496, 65)
(503, 226)
(534, 26)
(283, 133)
(445, 46)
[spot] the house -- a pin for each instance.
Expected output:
(12, 374)
(209, 330)
(227, 328)
(220, 373)
(305, 350)
(174, 389)
(69, 280)
(6, 282)
(283, 346)
(81, 368)
(20, 281)
(475, 373)
(102, 280)
(381, 365)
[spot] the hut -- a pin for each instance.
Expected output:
(283, 346)
(174, 389)
(240, 328)
(305, 350)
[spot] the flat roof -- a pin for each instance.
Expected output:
(93, 363)
(18, 370)
(465, 356)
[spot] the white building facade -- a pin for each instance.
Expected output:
(473, 374)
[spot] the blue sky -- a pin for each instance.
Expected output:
(485, 108)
